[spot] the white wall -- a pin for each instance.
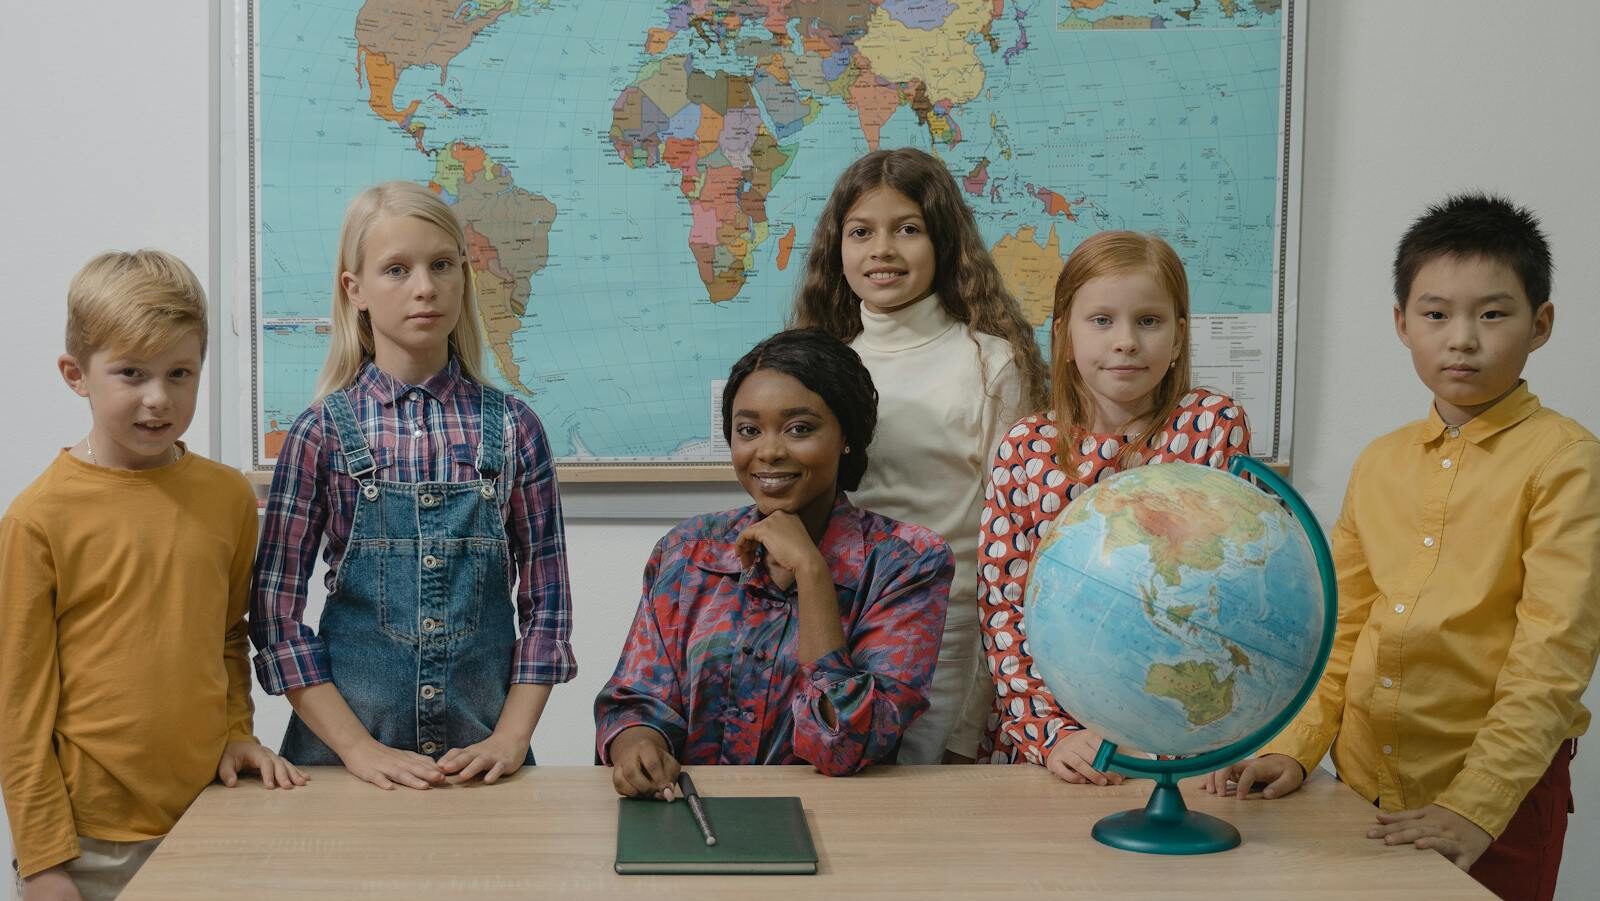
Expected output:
(107, 134)
(92, 162)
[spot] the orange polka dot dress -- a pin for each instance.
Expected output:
(1028, 488)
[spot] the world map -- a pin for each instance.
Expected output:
(639, 180)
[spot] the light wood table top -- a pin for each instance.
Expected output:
(908, 832)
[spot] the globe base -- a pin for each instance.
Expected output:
(1166, 826)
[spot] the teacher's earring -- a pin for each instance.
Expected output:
(847, 448)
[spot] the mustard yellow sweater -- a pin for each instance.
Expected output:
(123, 657)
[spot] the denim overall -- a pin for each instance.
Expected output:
(420, 627)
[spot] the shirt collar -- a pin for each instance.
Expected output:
(843, 547)
(388, 389)
(1510, 410)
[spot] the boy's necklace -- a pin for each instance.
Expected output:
(89, 449)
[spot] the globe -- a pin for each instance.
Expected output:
(1182, 611)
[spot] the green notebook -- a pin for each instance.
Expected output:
(754, 836)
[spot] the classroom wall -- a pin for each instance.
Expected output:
(108, 129)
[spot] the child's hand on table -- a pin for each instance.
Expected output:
(387, 767)
(244, 756)
(1460, 840)
(492, 758)
(1281, 774)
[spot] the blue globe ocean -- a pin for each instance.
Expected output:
(1175, 609)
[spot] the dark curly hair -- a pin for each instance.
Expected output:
(829, 369)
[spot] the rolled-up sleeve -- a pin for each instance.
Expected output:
(539, 550)
(878, 683)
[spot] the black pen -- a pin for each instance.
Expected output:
(696, 806)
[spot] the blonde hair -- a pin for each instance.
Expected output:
(1114, 253)
(352, 329)
(139, 302)
(969, 286)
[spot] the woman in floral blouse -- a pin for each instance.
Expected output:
(799, 629)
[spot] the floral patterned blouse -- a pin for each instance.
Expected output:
(711, 661)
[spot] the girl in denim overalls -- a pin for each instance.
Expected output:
(435, 493)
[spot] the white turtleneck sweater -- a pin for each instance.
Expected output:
(945, 396)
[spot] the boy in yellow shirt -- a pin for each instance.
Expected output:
(124, 580)
(1468, 554)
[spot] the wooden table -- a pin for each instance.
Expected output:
(907, 832)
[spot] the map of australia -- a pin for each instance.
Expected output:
(639, 180)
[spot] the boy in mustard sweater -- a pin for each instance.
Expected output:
(124, 580)
(1468, 554)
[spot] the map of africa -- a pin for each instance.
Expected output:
(639, 178)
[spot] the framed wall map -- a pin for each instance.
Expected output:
(639, 178)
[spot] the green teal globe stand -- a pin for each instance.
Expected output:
(1166, 825)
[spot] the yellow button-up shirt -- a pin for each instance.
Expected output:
(1469, 612)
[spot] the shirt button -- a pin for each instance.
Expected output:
(416, 433)
(1428, 541)
(1445, 463)
(1388, 749)
(430, 561)
(1453, 432)
(1399, 608)
(429, 747)
(1388, 682)
(428, 692)
(749, 716)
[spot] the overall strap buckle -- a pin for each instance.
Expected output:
(358, 459)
